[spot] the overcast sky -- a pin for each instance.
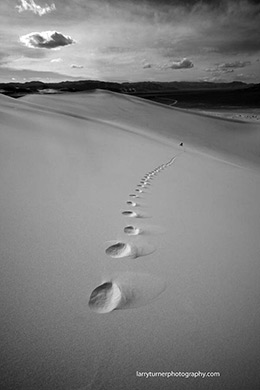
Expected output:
(121, 40)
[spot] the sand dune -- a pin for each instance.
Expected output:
(232, 139)
(89, 296)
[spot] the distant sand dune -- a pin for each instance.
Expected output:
(218, 140)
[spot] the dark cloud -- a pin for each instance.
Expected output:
(46, 40)
(232, 28)
(224, 27)
(215, 26)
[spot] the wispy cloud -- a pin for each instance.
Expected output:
(74, 66)
(46, 40)
(216, 70)
(185, 63)
(30, 5)
(233, 65)
(227, 67)
(213, 79)
(246, 77)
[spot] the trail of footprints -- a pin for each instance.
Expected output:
(113, 295)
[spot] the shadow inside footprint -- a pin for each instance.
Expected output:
(131, 214)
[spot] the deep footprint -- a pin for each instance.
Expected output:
(105, 298)
(121, 249)
(126, 291)
(132, 230)
(131, 203)
(130, 214)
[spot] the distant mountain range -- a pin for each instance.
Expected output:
(179, 93)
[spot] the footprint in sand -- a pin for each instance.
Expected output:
(105, 298)
(133, 196)
(122, 249)
(131, 203)
(132, 230)
(126, 291)
(130, 290)
(131, 214)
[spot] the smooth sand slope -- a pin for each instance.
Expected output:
(122, 251)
